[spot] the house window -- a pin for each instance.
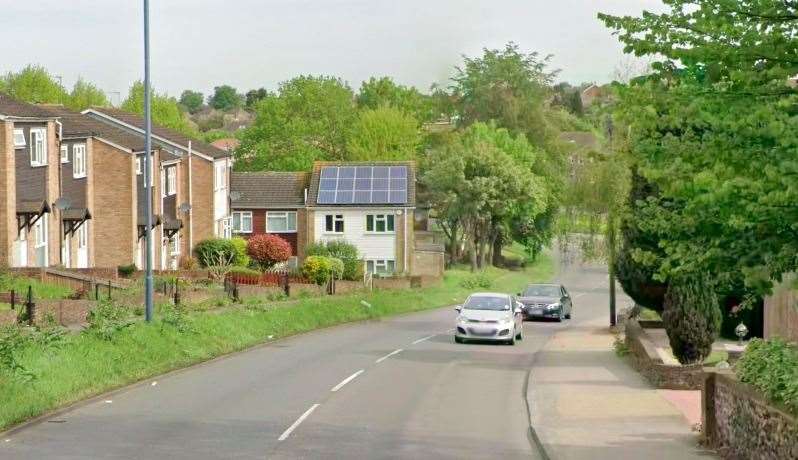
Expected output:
(281, 222)
(40, 232)
(64, 154)
(381, 267)
(19, 138)
(139, 169)
(174, 245)
(334, 223)
(38, 147)
(380, 223)
(219, 178)
(242, 221)
(79, 165)
(171, 181)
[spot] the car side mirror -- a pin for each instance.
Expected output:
(458, 308)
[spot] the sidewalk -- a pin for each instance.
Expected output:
(586, 403)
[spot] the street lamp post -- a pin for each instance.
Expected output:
(148, 169)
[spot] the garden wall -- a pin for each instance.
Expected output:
(65, 312)
(8, 317)
(781, 312)
(741, 424)
(647, 361)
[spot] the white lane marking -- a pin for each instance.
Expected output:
(450, 330)
(301, 419)
(423, 339)
(389, 355)
(580, 295)
(347, 380)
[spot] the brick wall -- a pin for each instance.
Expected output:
(65, 312)
(741, 424)
(114, 212)
(202, 183)
(428, 263)
(54, 218)
(646, 360)
(8, 196)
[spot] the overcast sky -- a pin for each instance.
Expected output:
(199, 44)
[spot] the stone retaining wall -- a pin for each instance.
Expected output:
(646, 360)
(741, 424)
(64, 312)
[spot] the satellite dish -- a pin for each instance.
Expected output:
(62, 204)
(235, 196)
(184, 208)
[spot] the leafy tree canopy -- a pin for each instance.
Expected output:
(166, 110)
(384, 133)
(34, 84)
(254, 96)
(192, 100)
(381, 92)
(225, 98)
(85, 95)
(308, 119)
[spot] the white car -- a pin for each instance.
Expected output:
(490, 316)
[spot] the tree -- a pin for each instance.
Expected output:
(166, 110)
(308, 119)
(714, 127)
(225, 98)
(268, 250)
(692, 318)
(85, 95)
(383, 134)
(34, 84)
(384, 92)
(192, 100)
(254, 96)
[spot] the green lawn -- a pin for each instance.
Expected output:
(40, 290)
(87, 365)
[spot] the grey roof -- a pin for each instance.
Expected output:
(165, 133)
(269, 189)
(76, 124)
(11, 107)
(313, 192)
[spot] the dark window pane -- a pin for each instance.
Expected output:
(381, 172)
(398, 172)
(339, 226)
(328, 225)
(363, 184)
(379, 196)
(364, 172)
(398, 184)
(399, 197)
(327, 197)
(347, 171)
(369, 223)
(346, 184)
(344, 197)
(390, 222)
(381, 225)
(381, 184)
(327, 184)
(363, 197)
(329, 173)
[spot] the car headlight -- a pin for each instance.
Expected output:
(462, 319)
(553, 306)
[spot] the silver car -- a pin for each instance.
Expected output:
(490, 316)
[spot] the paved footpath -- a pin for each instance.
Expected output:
(586, 403)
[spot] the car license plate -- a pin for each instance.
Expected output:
(482, 331)
(535, 311)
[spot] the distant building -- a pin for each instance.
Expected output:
(228, 144)
(590, 94)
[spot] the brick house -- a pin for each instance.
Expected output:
(271, 202)
(194, 186)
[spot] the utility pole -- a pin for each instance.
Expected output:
(611, 253)
(148, 169)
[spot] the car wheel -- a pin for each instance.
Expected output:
(458, 339)
(568, 316)
(520, 335)
(560, 317)
(511, 342)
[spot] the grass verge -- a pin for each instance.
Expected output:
(86, 364)
(40, 290)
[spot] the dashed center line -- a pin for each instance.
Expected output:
(395, 352)
(347, 380)
(423, 339)
(301, 419)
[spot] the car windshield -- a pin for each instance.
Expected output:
(492, 303)
(542, 291)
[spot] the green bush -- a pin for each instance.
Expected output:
(107, 319)
(126, 271)
(318, 269)
(209, 251)
(478, 281)
(244, 271)
(241, 258)
(336, 268)
(692, 319)
(772, 367)
(340, 249)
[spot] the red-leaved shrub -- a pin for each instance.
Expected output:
(268, 250)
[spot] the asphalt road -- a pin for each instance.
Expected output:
(395, 388)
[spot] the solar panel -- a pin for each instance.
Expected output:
(363, 185)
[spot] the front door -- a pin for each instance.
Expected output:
(66, 252)
(83, 245)
(22, 248)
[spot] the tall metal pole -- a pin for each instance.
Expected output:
(148, 169)
(611, 247)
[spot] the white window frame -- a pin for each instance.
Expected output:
(139, 168)
(376, 219)
(282, 215)
(38, 146)
(83, 235)
(219, 176)
(40, 232)
(19, 138)
(171, 180)
(242, 215)
(79, 161)
(373, 266)
(64, 153)
(334, 219)
(174, 245)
